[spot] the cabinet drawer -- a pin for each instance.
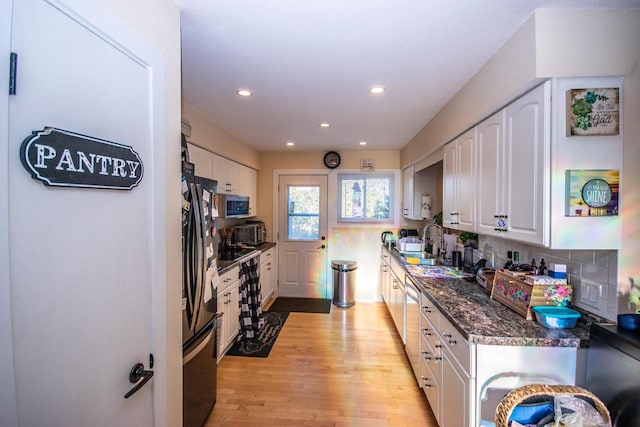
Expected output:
(229, 277)
(457, 345)
(431, 388)
(430, 312)
(431, 356)
(267, 255)
(386, 257)
(429, 333)
(397, 269)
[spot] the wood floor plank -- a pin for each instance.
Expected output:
(346, 368)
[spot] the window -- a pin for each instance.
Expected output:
(303, 213)
(365, 198)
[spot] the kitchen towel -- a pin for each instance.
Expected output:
(251, 319)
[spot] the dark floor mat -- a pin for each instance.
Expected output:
(267, 335)
(301, 305)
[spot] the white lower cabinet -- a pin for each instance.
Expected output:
(228, 305)
(447, 369)
(397, 304)
(268, 274)
(392, 288)
(385, 278)
(464, 381)
(456, 393)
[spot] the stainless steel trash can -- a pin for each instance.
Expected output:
(344, 283)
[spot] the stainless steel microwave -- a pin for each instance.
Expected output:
(250, 234)
(233, 206)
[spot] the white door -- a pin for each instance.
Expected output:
(81, 259)
(302, 242)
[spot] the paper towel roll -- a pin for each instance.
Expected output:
(425, 211)
(450, 243)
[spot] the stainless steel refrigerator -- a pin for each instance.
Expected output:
(199, 300)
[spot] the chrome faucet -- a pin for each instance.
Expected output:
(437, 248)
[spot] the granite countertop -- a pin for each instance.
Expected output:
(482, 320)
(226, 265)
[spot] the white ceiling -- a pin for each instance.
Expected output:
(313, 61)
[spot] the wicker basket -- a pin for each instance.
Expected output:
(516, 396)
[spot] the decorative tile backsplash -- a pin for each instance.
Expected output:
(593, 274)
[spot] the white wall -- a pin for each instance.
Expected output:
(509, 73)
(207, 135)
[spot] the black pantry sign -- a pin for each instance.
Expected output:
(61, 158)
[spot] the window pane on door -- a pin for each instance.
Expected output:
(303, 213)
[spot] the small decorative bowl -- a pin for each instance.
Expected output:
(629, 321)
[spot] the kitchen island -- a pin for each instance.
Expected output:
(472, 349)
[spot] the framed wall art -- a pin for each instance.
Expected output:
(592, 192)
(594, 111)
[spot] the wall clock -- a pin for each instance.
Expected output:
(332, 159)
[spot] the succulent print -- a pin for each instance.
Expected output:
(582, 108)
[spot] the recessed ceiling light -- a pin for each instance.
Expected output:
(244, 92)
(290, 144)
(363, 142)
(376, 89)
(325, 125)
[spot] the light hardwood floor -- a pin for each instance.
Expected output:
(346, 368)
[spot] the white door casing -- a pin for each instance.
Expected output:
(302, 270)
(85, 264)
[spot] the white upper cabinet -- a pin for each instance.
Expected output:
(247, 186)
(490, 182)
(232, 177)
(526, 167)
(202, 160)
(449, 203)
(466, 180)
(407, 192)
(459, 183)
(513, 168)
(512, 159)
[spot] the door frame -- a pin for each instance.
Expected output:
(8, 403)
(155, 49)
(277, 173)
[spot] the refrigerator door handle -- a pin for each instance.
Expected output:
(194, 287)
(188, 261)
(193, 353)
(200, 242)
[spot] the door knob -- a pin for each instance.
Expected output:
(321, 247)
(140, 376)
